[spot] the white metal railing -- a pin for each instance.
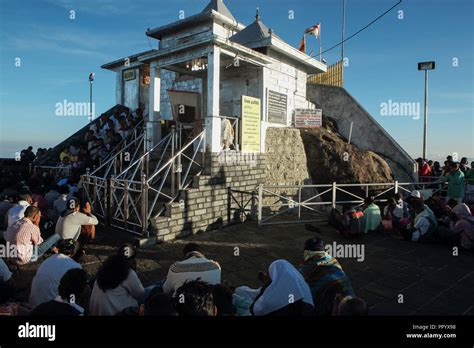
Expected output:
(273, 204)
(130, 197)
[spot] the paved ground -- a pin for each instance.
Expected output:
(431, 280)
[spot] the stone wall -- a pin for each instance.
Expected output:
(205, 205)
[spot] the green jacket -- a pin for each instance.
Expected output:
(455, 184)
(373, 218)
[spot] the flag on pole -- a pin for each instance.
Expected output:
(315, 29)
(302, 45)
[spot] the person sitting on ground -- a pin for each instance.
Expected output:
(284, 292)
(422, 226)
(324, 275)
(72, 291)
(462, 225)
(44, 286)
(64, 153)
(438, 206)
(71, 220)
(117, 285)
(25, 235)
(195, 298)
(194, 266)
(7, 283)
(157, 304)
(60, 204)
(350, 306)
(5, 206)
(65, 163)
(373, 217)
(17, 212)
(96, 126)
(51, 197)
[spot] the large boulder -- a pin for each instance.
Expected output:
(330, 158)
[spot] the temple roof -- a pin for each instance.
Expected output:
(219, 6)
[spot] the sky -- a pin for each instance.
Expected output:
(46, 57)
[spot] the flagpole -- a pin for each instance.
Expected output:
(304, 42)
(320, 56)
(342, 41)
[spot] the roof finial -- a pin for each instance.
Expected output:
(257, 16)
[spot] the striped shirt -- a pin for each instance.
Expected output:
(24, 235)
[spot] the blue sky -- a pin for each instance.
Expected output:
(58, 53)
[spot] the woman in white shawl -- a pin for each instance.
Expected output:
(286, 292)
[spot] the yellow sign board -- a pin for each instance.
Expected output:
(250, 124)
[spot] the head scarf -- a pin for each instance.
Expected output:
(287, 285)
(462, 211)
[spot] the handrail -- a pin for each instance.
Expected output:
(172, 159)
(111, 159)
(145, 154)
(120, 144)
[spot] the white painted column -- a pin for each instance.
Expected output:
(213, 121)
(153, 124)
(119, 87)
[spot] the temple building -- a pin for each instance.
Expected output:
(202, 68)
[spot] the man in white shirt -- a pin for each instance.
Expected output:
(44, 286)
(71, 220)
(17, 212)
(194, 266)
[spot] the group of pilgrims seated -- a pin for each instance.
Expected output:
(102, 136)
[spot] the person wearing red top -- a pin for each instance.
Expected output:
(424, 170)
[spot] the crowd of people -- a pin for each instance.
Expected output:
(43, 219)
(192, 287)
(102, 136)
(435, 218)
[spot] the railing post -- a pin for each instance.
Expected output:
(334, 194)
(125, 203)
(299, 202)
(260, 202)
(396, 187)
(144, 206)
(173, 144)
(366, 191)
(229, 205)
(109, 200)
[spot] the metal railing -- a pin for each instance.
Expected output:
(136, 132)
(128, 198)
(315, 206)
(241, 205)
